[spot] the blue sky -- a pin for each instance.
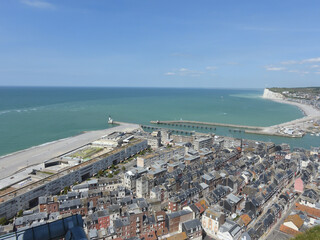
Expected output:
(182, 43)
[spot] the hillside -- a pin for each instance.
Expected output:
(310, 90)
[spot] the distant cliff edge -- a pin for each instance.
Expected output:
(271, 95)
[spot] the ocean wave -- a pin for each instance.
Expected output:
(18, 110)
(251, 96)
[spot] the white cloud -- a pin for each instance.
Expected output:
(170, 73)
(211, 68)
(271, 68)
(289, 62)
(298, 71)
(317, 72)
(315, 66)
(38, 4)
(301, 67)
(311, 60)
(184, 72)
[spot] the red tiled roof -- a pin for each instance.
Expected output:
(295, 219)
(200, 207)
(309, 210)
(246, 219)
(203, 204)
(288, 230)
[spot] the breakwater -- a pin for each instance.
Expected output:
(185, 123)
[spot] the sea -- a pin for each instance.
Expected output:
(31, 116)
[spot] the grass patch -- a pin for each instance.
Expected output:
(5, 188)
(86, 153)
(49, 173)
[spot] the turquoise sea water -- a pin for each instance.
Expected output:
(31, 116)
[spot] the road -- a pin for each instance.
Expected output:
(12, 163)
(270, 235)
(274, 230)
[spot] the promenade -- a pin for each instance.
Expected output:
(18, 161)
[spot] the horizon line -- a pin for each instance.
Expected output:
(147, 87)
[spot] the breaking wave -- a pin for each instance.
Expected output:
(18, 110)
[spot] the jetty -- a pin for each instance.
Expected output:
(177, 131)
(271, 131)
(187, 123)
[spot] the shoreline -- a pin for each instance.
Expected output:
(300, 125)
(307, 110)
(17, 161)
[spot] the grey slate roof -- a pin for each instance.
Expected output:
(178, 213)
(70, 203)
(194, 224)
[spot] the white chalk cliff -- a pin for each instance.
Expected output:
(271, 95)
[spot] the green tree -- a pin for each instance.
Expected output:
(20, 213)
(110, 175)
(100, 173)
(123, 168)
(311, 234)
(3, 221)
(66, 189)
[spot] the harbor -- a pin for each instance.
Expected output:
(196, 124)
(292, 129)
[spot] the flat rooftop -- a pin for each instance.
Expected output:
(14, 162)
(35, 184)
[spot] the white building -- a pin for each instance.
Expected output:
(162, 154)
(204, 142)
(131, 176)
(27, 196)
(229, 231)
(211, 221)
(142, 187)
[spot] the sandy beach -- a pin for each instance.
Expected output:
(14, 162)
(308, 110)
(311, 114)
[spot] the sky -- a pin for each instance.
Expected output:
(160, 43)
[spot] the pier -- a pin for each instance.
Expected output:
(178, 131)
(271, 131)
(205, 125)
